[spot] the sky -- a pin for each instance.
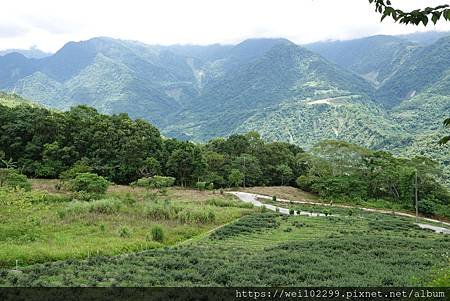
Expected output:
(49, 24)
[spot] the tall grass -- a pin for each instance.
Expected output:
(183, 215)
(103, 206)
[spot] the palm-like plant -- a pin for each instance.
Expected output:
(445, 139)
(9, 164)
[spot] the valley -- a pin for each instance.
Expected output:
(269, 85)
(263, 163)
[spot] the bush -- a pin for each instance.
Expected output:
(155, 182)
(291, 211)
(200, 185)
(77, 168)
(157, 234)
(89, 183)
(274, 198)
(12, 178)
(210, 186)
(427, 207)
(304, 182)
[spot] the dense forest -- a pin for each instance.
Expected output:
(50, 144)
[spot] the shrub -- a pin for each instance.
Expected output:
(90, 183)
(221, 191)
(84, 196)
(327, 212)
(77, 168)
(304, 182)
(291, 211)
(426, 207)
(157, 234)
(163, 182)
(154, 182)
(211, 186)
(12, 178)
(200, 185)
(274, 198)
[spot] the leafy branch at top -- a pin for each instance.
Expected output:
(445, 139)
(384, 7)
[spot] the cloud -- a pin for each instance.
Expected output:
(12, 31)
(55, 25)
(51, 23)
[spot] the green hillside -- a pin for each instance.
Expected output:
(375, 58)
(13, 100)
(424, 69)
(286, 74)
(348, 118)
(383, 92)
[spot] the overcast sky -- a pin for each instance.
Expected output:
(49, 24)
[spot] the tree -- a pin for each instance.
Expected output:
(417, 16)
(285, 173)
(150, 167)
(236, 178)
(249, 166)
(187, 163)
(445, 139)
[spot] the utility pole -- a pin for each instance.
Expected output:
(245, 171)
(416, 196)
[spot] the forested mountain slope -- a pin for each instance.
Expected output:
(14, 100)
(375, 58)
(426, 68)
(286, 73)
(383, 92)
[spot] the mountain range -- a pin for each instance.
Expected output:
(383, 92)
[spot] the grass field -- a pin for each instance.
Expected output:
(264, 249)
(59, 242)
(45, 225)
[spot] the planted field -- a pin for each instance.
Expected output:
(268, 250)
(39, 226)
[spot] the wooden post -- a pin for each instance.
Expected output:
(416, 196)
